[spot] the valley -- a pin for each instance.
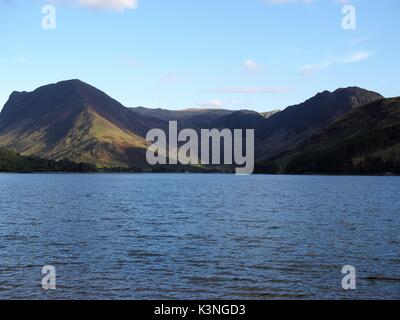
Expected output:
(72, 120)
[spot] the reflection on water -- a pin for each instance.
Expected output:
(173, 236)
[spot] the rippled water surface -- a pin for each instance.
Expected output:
(155, 236)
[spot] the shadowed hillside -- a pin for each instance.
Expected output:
(290, 127)
(365, 141)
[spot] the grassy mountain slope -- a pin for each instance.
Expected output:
(72, 120)
(95, 139)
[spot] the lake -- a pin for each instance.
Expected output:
(184, 236)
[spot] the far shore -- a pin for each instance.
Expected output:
(387, 174)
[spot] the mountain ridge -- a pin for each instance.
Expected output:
(73, 120)
(364, 141)
(288, 128)
(52, 118)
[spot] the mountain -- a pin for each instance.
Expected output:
(281, 130)
(181, 115)
(365, 141)
(73, 120)
(198, 119)
(287, 129)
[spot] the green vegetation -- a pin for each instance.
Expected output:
(366, 141)
(266, 168)
(13, 162)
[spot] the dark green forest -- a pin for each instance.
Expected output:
(13, 162)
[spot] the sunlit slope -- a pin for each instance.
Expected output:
(72, 120)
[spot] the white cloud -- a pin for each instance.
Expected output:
(115, 5)
(272, 2)
(286, 1)
(356, 57)
(314, 68)
(253, 66)
(215, 103)
(343, 2)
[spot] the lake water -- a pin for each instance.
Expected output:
(172, 236)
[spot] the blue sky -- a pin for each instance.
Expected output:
(237, 54)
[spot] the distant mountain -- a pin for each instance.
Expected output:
(365, 141)
(203, 118)
(269, 114)
(179, 115)
(73, 120)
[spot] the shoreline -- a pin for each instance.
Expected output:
(202, 173)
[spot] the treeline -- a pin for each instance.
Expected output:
(13, 162)
(340, 164)
(378, 165)
(266, 168)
